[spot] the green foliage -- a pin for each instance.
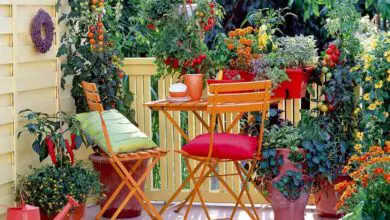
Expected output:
(292, 185)
(343, 23)
(374, 79)
(273, 18)
(268, 68)
(48, 186)
(41, 126)
(84, 63)
(178, 38)
(380, 6)
(282, 137)
(298, 52)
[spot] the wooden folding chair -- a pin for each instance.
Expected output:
(227, 98)
(94, 104)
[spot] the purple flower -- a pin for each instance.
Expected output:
(41, 42)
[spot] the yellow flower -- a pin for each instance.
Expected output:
(263, 37)
(373, 44)
(386, 114)
(357, 110)
(366, 96)
(368, 78)
(388, 78)
(387, 53)
(372, 107)
(388, 59)
(358, 148)
(360, 135)
(379, 84)
(367, 61)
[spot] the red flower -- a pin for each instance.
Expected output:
(176, 63)
(70, 151)
(378, 170)
(151, 27)
(51, 148)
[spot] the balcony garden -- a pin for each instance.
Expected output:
(211, 108)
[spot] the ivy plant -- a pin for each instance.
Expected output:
(292, 185)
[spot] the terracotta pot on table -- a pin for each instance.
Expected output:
(194, 83)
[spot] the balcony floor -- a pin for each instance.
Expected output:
(216, 212)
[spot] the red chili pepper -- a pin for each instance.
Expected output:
(70, 151)
(51, 147)
(73, 138)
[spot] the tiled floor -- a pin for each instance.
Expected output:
(216, 212)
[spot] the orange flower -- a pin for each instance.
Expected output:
(230, 46)
(241, 32)
(242, 41)
(387, 178)
(232, 34)
(378, 170)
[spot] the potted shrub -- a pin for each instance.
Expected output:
(177, 43)
(48, 186)
(281, 174)
(299, 56)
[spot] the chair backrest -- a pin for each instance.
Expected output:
(95, 104)
(239, 97)
(242, 98)
(92, 96)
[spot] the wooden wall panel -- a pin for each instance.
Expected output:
(27, 80)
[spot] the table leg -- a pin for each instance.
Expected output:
(176, 125)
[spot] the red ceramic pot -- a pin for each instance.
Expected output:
(287, 209)
(287, 164)
(76, 214)
(296, 87)
(110, 179)
(326, 199)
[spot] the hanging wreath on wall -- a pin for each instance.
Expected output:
(42, 31)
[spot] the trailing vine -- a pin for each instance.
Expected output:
(91, 54)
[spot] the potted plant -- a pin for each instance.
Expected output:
(48, 186)
(281, 173)
(299, 56)
(177, 43)
(366, 195)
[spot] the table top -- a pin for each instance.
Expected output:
(201, 105)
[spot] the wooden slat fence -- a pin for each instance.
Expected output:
(170, 170)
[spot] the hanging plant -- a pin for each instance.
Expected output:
(42, 22)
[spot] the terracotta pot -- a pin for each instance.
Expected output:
(296, 87)
(287, 164)
(326, 199)
(178, 94)
(286, 209)
(194, 83)
(76, 214)
(110, 179)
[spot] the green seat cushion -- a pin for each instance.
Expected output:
(124, 136)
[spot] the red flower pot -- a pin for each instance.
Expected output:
(296, 87)
(76, 214)
(287, 164)
(111, 180)
(284, 208)
(326, 199)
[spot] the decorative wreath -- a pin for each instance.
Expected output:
(42, 22)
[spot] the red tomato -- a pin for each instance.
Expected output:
(332, 46)
(332, 64)
(335, 58)
(329, 51)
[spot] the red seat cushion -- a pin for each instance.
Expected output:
(226, 146)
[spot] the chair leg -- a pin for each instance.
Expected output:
(185, 182)
(116, 192)
(196, 187)
(198, 192)
(244, 188)
(231, 192)
(183, 203)
(121, 170)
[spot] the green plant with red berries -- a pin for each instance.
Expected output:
(92, 56)
(50, 135)
(176, 30)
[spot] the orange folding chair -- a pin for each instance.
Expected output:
(213, 148)
(94, 104)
